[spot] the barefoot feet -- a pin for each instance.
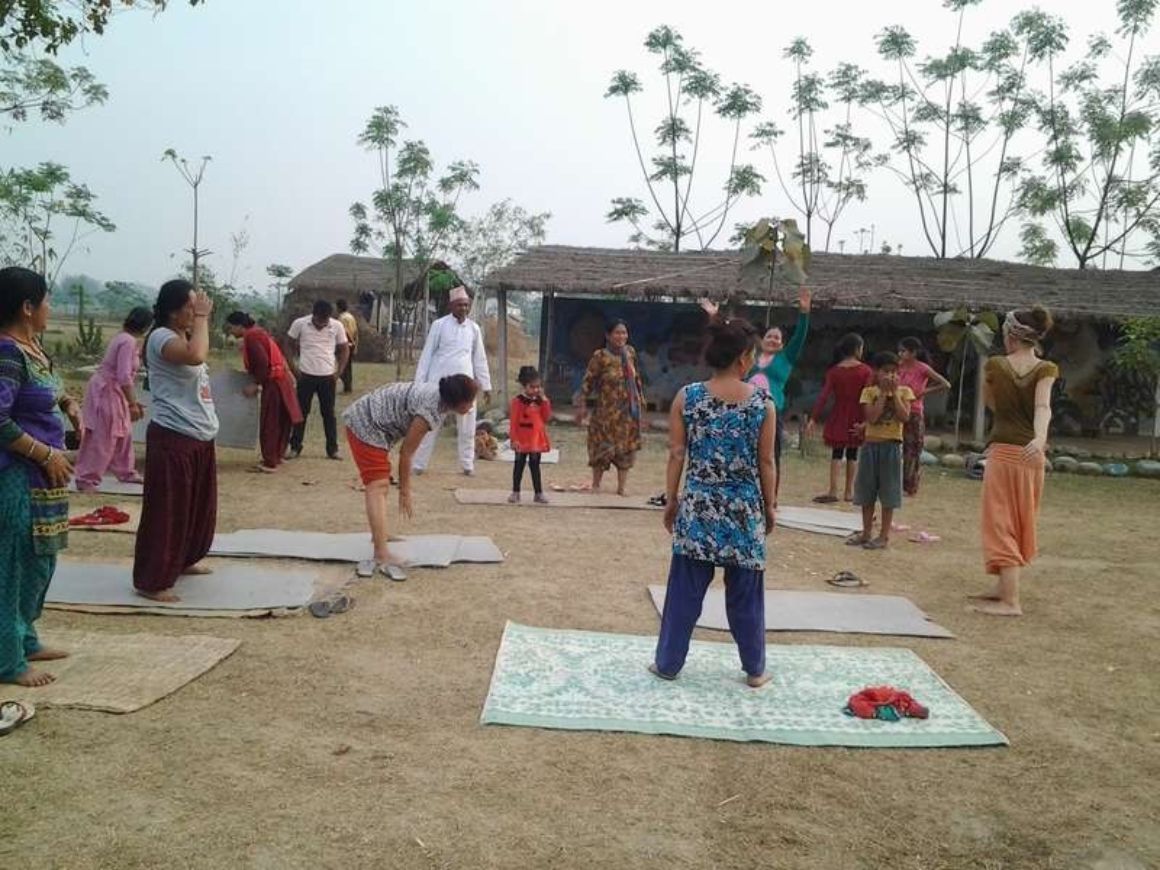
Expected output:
(758, 681)
(198, 570)
(33, 677)
(167, 596)
(997, 608)
(655, 671)
(47, 654)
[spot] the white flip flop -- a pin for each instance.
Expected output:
(13, 714)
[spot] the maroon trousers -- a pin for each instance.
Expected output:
(179, 512)
(278, 412)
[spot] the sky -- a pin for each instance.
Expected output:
(277, 92)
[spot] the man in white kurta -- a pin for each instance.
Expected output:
(454, 346)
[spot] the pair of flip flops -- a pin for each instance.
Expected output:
(338, 603)
(13, 714)
(102, 516)
(369, 567)
(856, 540)
(659, 500)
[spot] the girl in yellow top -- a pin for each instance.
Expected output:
(886, 406)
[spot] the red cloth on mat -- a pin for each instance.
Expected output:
(179, 511)
(865, 704)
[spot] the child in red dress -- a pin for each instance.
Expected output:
(844, 427)
(529, 415)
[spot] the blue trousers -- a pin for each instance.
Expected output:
(689, 579)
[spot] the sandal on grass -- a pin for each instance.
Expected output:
(394, 572)
(847, 580)
(13, 714)
(825, 499)
(339, 603)
(876, 544)
(857, 539)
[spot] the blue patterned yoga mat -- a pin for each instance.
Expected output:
(583, 680)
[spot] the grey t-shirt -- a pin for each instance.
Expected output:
(382, 417)
(181, 394)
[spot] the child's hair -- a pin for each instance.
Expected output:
(528, 375)
(138, 320)
(916, 347)
(848, 345)
(729, 339)
(884, 359)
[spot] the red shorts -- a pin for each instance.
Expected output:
(374, 463)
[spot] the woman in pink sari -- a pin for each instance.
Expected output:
(111, 408)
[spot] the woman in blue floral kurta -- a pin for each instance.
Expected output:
(724, 427)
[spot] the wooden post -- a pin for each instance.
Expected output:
(547, 327)
(980, 407)
(502, 332)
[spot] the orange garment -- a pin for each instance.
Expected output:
(1012, 489)
(529, 424)
(374, 463)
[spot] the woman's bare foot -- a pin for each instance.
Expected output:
(167, 596)
(655, 671)
(993, 595)
(197, 570)
(47, 654)
(33, 677)
(758, 681)
(997, 608)
(622, 492)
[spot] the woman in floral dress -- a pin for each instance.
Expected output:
(725, 428)
(614, 430)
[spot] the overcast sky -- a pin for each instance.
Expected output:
(277, 92)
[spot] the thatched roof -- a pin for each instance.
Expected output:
(840, 281)
(349, 274)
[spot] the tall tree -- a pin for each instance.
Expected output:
(281, 273)
(955, 154)
(1100, 116)
(50, 24)
(485, 243)
(38, 86)
(412, 212)
(689, 89)
(44, 215)
(192, 176)
(819, 186)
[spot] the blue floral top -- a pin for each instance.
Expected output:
(721, 518)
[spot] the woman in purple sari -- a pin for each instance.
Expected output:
(34, 474)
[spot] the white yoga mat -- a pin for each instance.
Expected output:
(556, 499)
(420, 551)
(112, 486)
(819, 520)
(841, 612)
(506, 454)
(231, 587)
(237, 414)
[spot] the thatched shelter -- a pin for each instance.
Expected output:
(362, 281)
(884, 297)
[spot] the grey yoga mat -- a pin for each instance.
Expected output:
(420, 551)
(229, 587)
(237, 415)
(842, 612)
(111, 486)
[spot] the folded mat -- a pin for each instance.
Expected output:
(120, 673)
(506, 454)
(111, 486)
(556, 499)
(803, 610)
(129, 527)
(233, 589)
(581, 680)
(419, 551)
(819, 520)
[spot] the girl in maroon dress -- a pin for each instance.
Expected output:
(844, 427)
(279, 411)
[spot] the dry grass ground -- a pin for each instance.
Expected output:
(355, 741)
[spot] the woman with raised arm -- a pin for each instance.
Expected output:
(1017, 389)
(179, 511)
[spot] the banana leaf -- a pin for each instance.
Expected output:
(950, 336)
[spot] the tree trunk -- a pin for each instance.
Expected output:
(962, 379)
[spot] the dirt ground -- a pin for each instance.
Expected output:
(355, 741)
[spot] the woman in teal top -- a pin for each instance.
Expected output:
(774, 365)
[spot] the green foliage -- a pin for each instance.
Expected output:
(34, 205)
(50, 24)
(689, 90)
(958, 331)
(486, 243)
(1099, 179)
(119, 297)
(38, 85)
(955, 119)
(1038, 248)
(1138, 350)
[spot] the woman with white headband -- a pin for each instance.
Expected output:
(1017, 389)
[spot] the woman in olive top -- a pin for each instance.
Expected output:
(1017, 389)
(773, 366)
